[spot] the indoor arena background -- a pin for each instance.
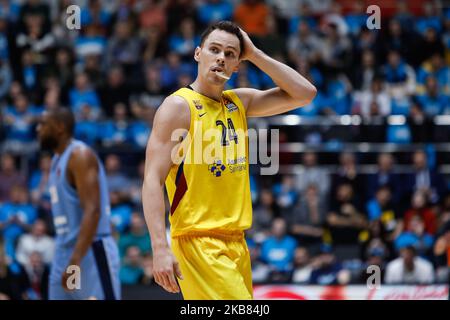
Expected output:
(364, 169)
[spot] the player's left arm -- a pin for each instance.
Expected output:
(83, 173)
(292, 91)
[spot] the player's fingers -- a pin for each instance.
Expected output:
(178, 270)
(166, 282)
(173, 283)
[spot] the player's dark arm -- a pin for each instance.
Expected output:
(83, 172)
(173, 114)
(292, 91)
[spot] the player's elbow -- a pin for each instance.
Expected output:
(307, 95)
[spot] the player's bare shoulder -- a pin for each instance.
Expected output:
(173, 113)
(82, 157)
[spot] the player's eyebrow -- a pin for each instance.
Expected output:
(220, 45)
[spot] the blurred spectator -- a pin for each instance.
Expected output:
(137, 236)
(363, 76)
(86, 128)
(440, 251)
(92, 41)
(16, 217)
(38, 184)
(356, 19)
(136, 185)
(419, 206)
(336, 49)
(123, 47)
(404, 16)
(327, 270)
(273, 43)
(38, 273)
(94, 14)
(132, 271)
(263, 214)
(425, 178)
(114, 91)
(13, 279)
(384, 176)
(401, 81)
(381, 208)
(304, 44)
(5, 76)
(37, 241)
(84, 94)
(348, 173)
(120, 213)
(436, 67)
(307, 220)
(430, 18)
(373, 102)
(285, 194)
(409, 269)
(345, 220)
(397, 39)
(147, 266)
(433, 101)
(117, 180)
(20, 120)
(185, 40)
(302, 266)
(172, 69)
(115, 132)
(416, 236)
(313, 174)
(154, 44)
(63, 68)
(375, 255)
(214, 10)
(251, 15)
(139, 130)
(278, 251)
(9, 176)
(152, 14)
(260, 270)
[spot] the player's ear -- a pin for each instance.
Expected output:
(236, 69)
(197, 54)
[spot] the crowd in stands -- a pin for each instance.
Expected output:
(315, 227)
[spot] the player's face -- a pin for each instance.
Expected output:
(219, 53)
(47, 132)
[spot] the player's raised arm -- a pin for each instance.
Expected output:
(293, 89)
(172, 114)
(83, 174)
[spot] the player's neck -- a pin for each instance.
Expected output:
(213, 92)
(63, 143)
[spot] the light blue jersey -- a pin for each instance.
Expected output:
(100, 266)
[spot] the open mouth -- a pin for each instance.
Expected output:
(220, 72)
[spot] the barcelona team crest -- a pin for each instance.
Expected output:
(217, 168)
(230, 105)
(197, 104)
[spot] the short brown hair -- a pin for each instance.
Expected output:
(227, 26)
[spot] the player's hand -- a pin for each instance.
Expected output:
(165, 268)
(249, 48)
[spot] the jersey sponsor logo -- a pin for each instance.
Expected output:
(229, 105)
(60, 220)
(197, 104)
(53, 194)
(217, 168)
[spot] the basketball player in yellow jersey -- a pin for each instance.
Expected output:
(210, 203)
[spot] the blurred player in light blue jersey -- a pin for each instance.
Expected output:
(81, 209)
